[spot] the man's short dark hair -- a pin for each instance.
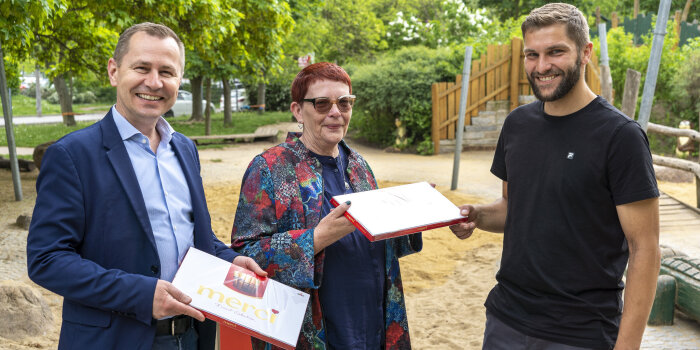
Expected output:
(559, 13)
(153, 29)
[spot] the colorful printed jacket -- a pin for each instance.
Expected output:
(279, 207)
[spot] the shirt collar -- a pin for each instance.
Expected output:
(127, 131)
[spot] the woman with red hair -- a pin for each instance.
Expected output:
(286, 223)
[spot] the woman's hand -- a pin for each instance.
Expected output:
(332, 228)
(250, 264)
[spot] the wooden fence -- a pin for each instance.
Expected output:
(682, 164)
(494, 76)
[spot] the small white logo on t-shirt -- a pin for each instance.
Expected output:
(570, 155)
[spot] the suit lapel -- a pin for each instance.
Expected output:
(121, 163)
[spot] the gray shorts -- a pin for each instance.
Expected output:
(499, 336)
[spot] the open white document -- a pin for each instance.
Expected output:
(237, 298)
(399, 210)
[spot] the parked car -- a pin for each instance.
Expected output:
(183, 105)
(238, 97)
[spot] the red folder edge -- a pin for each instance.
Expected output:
(396, 233)
(225, 323)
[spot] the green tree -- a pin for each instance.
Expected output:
(17, 19)
(352, 31)
(70, 44)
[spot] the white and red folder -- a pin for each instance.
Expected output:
(240, 300)
(400, 210)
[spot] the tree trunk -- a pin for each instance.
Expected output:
(207, 110)
(197, 99)
(227, 102)
(686, 10)
(65, 99)
(261, 97)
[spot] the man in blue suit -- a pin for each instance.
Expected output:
(118, 205)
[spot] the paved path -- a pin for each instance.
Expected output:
(51, 119)
(21, 151)
(680, 225)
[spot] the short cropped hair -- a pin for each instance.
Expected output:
(152, 29)
(559, 13)
(315, 72)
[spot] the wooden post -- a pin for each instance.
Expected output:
(436, 122)
(636, 8)
(686, 9)
(615, 20)
(629, 96)
(677, 27)
(697, 191)
(597, 16)
(515, 49)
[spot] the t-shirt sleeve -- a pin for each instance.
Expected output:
(498, 167)
(630, 168)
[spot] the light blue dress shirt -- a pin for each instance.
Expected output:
(164, 190)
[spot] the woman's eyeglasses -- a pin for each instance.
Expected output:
(324, 104)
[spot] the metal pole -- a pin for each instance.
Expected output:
(654, 61)
(7, 114)
(466, 70)
(37, 84)
(602, 34)
(605, 78)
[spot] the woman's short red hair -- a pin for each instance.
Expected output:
(315, 72)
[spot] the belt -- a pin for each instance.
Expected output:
(173, 326)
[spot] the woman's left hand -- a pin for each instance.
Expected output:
(250, 264)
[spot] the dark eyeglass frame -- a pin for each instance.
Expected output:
(313, 101)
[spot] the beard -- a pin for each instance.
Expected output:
(569, 79)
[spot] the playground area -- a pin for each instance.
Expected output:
(445, 285)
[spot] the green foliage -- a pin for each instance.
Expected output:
(449, 22)
(687, 89)
(97, 85)
(398, 86)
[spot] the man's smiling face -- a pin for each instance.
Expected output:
(147, 79)
(552, 62)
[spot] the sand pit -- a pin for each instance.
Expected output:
(445, 284)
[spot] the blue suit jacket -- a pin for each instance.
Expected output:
(91, 241)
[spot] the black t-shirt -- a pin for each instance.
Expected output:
(564, 251)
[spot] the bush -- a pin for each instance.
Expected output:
(398, 86)
(84, 97)
(53, 98)
(91, 89)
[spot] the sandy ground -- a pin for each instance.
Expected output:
(446, 284)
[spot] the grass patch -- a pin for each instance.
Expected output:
(26, 106)
(19, 156)
(242, 123)
(31, 135)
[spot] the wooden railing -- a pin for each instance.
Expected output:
(682, 164)
(494, 76)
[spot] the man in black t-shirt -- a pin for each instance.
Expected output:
(579, 200)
